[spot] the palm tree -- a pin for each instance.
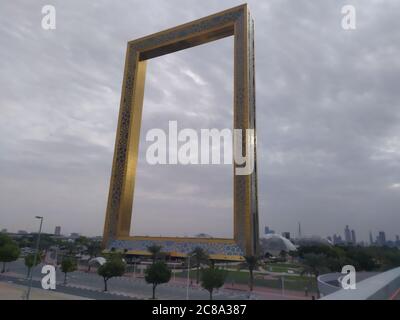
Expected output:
(251, 263)
(155, 251)
(314, 264)
(200, 257)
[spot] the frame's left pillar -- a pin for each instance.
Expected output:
(119, 207)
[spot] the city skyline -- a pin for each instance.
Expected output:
(264, 230)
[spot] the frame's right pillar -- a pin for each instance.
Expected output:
(246, 228)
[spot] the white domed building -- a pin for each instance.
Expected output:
(274, 244)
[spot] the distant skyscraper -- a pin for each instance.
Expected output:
(347, 234)
(381, 238)
(371, 240)
(299, 230)
(337, 239)
(57, 231)
(353, 237)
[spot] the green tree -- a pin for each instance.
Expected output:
(82, 241)
(46, 241)
(9, 250)
(113, 267)
(314, 264)
(155, 251)
(212, 278)
(251, 263)
(326, 250)
(30, 262)
(69, 247)
(199, 257)
(361, 258)
(156, 274)
(68, 264)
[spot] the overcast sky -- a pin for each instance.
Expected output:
(328, 116)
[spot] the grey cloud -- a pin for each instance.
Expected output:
(327, 116)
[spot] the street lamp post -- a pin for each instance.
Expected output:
(188, 277)
(35, 256)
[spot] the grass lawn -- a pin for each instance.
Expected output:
(292, 282)
(273, 268)
(284, 265)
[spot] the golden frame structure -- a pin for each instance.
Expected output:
(235, 22)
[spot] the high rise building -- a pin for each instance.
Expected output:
(381, 238)
(57, 231)
(337, 239)
(347, 234)
(353, 237)
(299, 230)
(371, 240)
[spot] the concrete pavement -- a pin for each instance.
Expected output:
(12, 291)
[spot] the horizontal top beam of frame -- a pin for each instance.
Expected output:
(187, 43)
(188, 35)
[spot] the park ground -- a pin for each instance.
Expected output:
(88, 285)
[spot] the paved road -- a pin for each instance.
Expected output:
(90, 285)
(86, 293)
